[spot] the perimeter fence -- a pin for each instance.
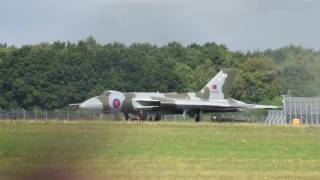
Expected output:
(49, 115)
(71, 114)
(306, 109)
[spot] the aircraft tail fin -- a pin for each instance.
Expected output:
(219, 86)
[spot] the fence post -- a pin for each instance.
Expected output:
(0, 113)
(290, 106)
(306, 110)
(46, 114)
(68, 115)
(311, 112)
(24, 114)
(35, 114)
(317, 110)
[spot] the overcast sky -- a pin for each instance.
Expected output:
(239, 24)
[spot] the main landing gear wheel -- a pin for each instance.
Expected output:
(157, 117)
(142, 116)
(198, 116)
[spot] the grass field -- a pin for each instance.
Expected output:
(164, 150)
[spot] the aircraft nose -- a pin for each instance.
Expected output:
(92, 104)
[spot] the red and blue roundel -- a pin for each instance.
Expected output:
(214, 87)
(116, 103)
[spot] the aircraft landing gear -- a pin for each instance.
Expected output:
(197, 116)
(126, 116)
(157, 117)
(154, 117)
(141, 116)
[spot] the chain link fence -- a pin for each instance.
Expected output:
(276, 117)
(306, 109)
(71, 114)
(50, 115)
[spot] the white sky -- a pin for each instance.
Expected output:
(239, 24)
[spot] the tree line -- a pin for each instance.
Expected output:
(53, 75)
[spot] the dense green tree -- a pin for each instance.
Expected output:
(52, 75)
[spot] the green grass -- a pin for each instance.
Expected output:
(165, 150)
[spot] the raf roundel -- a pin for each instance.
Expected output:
(116, 103)
(214, 87)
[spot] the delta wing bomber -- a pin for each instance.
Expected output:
(213, 97)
